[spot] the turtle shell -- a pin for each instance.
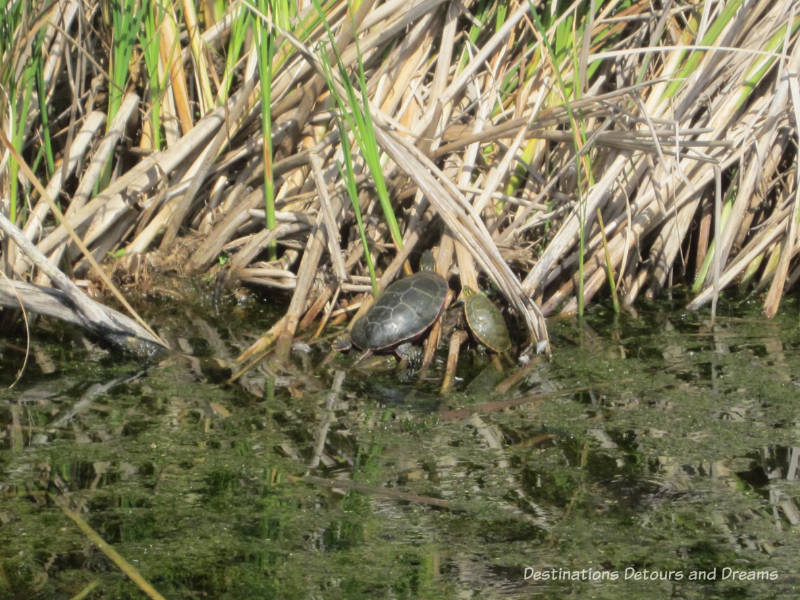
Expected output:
(405, 310)
(486, 321)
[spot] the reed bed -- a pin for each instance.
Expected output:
(549, 152)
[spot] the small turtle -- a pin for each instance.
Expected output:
(486, 321)
(404, 311)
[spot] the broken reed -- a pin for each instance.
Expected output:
(604, 124)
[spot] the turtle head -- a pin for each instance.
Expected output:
(342, 343)
(467, 293)
(426, 261)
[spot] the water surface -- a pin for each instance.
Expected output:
(653, 456)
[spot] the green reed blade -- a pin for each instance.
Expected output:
(151, 46)
(349, 177)
(41, 92)
(265, 47)
(359, 118)
(18, 132)
(578, 141)
(728, 12)
(239, 26)
(126, 19)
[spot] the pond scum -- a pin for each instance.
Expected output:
(548, 153)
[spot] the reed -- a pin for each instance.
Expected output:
(156, 82)
(554, 155)
(265, 45)
(354, 107)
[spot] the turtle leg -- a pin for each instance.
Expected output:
(498, 364)
(409, 354)
(367, 353)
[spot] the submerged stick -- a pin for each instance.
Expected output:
(109, 551)
(454, 350)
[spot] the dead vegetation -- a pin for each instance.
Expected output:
(552, 153)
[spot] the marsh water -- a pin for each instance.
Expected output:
(652, 456)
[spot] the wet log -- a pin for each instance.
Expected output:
(114, 328)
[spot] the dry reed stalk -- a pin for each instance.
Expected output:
(124, 193)
(196, 174)
(750, 252)
(453, 352)
(170, 57)
(71, 304)
(790, 242)
(78, 150)
(306, 273)
(477, 135)
(92, 174)
(673, 227)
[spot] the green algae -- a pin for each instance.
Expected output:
(672, 450)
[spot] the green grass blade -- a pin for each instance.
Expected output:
(239, 27)
(126, 19)
(150, 47)
(715, 29)
(358, 116)
(371, 151)
(41, 92)
(349, 177)
(24, 103)
(762, 64)
(265, 37)
(702, 273)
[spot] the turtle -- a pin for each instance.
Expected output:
(404, 311)
(486, 321)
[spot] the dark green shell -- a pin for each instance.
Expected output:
(405, 310)
(486, 321)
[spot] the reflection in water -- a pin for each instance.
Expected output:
(655, 449)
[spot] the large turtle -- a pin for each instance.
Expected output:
(404, 311)
(486, 321)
